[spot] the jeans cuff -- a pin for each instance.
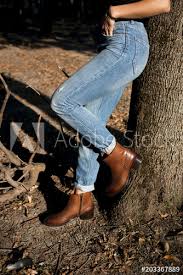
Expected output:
(85, 188)
(110, 148)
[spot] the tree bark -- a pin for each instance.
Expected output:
(157, 105)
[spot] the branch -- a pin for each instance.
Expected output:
(11, 156)
(8, 177)
(5, 100)
(37, 143)
(53, 122)
(56, 123)
(65, 73)
(35, 169)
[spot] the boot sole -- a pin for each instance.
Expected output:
(87, 216)
(57, 226)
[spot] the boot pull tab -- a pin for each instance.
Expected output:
(81, 201)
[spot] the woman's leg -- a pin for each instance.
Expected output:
(102, 76)
(88, 166)
(122, 61)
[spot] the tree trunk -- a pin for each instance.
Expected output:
(157, 105)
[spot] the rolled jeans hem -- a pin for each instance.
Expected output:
(110, 148)
(85, 188)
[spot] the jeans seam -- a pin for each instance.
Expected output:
(122, 51)
(89, 166)
(133, 60)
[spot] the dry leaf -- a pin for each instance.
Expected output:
(171, 258)
(31, 272)
(163, 216)
(117, 258)
(166, 246)
(131, 221)
(141, 241)
(29, 198)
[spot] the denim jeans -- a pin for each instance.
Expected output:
(86, 100)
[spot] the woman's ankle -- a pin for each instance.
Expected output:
(78, 191)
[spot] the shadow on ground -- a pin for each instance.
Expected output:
(59, 158)
(66, 34)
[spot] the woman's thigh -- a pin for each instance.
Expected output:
(119, 63)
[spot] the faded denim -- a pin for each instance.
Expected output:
(86, 100)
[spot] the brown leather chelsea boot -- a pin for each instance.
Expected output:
(120, 161)
(79, 205)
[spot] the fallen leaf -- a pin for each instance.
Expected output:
(141, 241)
(163, 216)
(29, 198)
(166, 246)
(117, 258)
(31, 272)
(171, 258)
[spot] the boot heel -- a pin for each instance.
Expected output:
(88, 215)
(137, 162)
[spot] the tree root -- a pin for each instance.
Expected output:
(11, 156)
(30, 170)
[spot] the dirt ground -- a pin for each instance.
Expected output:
(97, 246)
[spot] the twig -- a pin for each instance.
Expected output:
(35, 169)
(53, 122)
(24, 174)
(37, 92)
(62, 128)
(38, 139)
(78, 269)
(64, 71)
(5, 188)
(49, 248)
(32, 169)
(6, 249)
(29, 220)
(5, 100)
(58, 260)
(34, 172)
(11, 156)
(8, 177)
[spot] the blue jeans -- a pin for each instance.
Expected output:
(86, 100)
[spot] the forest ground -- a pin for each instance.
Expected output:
(32, 64)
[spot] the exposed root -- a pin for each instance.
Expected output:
(11, 156)
(30, 170)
